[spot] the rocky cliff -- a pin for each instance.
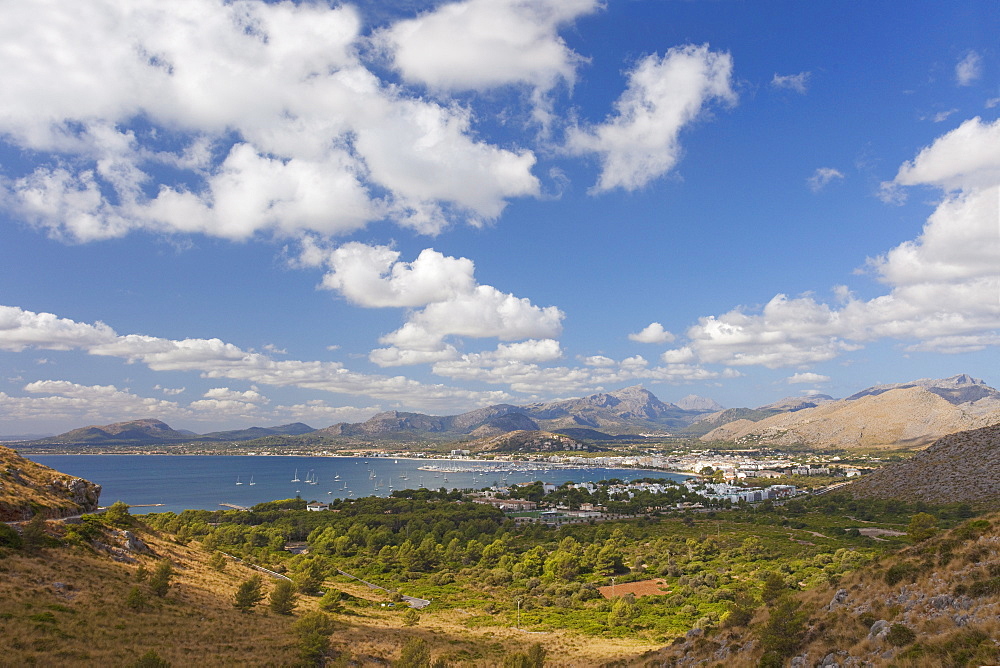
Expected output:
(28, 488)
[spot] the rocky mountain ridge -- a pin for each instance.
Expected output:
(904, 415)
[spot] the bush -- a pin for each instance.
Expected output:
(900, 635)
(9, 537)
(989, 587)
(411, 617)
(117, 515)
(330, 601)
(151, 660)
(899, 572)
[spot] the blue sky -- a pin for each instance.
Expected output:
(225, 214)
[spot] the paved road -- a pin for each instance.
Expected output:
(412, 601)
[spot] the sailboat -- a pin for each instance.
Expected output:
(238, 480)
(296, 478)
(251, 481)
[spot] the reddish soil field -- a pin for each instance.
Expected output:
(655, 587)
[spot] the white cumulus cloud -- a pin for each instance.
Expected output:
(652, 333)
(943, 285)
(641, 141)
(267, 110)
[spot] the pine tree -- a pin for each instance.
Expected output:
(282, 600)
(159, 581)
(249, 594)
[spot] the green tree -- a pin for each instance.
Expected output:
(310, 577)
(774, 586)
(411, 617)
(415, 654)
(217, 561)
(282, 599)
(33, 534)
(534, 657)
(330, 601)
(159, 581)
(117, 515)
(623, 611)
(135, 599)
(784, 631)
(9, 537)
(314, 629)
(249, 593)
(922, 526)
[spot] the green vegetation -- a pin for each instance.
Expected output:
(249, 594)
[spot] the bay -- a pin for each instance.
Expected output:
(205, 482)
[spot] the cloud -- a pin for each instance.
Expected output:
(266, 110)
(808, 378)
(797, 82)
(943, 285)
(373, 276)
(943, 115)
(213, 358)
(663, 95)
(822, 177)
(483, 44)
(226, 394)
(23, 329)
(65, 400)
(453, 304)
(170, 391)
(652, 333)
(969, 69)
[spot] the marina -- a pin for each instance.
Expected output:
(173, 483)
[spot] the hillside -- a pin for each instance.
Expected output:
(530, 441)
(936, 603)
(960, 467)
(910, 415)
(27, 488)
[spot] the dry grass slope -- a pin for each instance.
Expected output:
(960, 467)
(67, 606)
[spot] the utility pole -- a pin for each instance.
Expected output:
(518, 615)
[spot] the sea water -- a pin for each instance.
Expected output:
(179, 482)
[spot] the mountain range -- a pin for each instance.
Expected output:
(911, 414)
(903, 415)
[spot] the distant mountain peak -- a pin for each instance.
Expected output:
(693, 402)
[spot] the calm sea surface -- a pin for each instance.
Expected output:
(204, 482)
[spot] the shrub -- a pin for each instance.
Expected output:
(117, 515)
(989, 587)
(330, 601)
(900, 635)
(898, 572)
(314, 629)
(217, 561)
(151, 660)
(9, 537)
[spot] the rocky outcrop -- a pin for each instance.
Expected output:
(28, 488)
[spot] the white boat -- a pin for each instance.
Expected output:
(238, 480)
(296, 478)
(251, 481)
